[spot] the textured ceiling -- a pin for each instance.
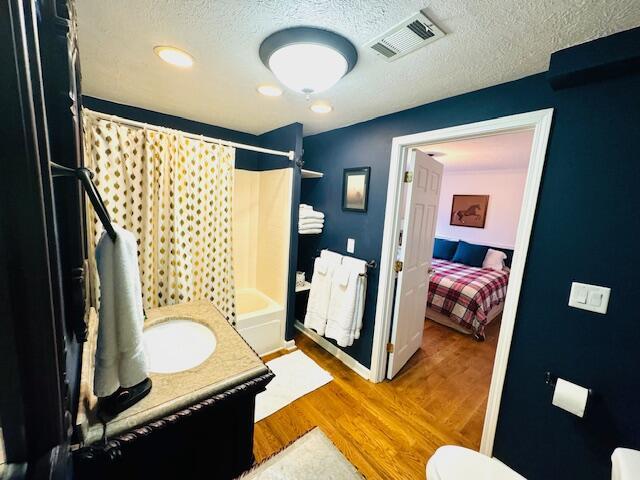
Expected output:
(507, 151)
(488, 42)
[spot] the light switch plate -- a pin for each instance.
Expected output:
(589, 297)
(351, 245)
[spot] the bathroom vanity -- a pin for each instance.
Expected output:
(195, 423)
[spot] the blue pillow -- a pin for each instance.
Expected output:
(470, 254)
(444, 249)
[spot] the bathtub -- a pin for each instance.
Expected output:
(260, 320)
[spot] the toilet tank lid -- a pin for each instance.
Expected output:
(625, 464)
(459, 463)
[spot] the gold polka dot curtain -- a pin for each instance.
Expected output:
(175, 194)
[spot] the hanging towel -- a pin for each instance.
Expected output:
(304, 206)
(346, 304)
(310, 214)
(310, 221)
(360, 267)
(316, 316)
(120, 357)
(332, 256)
(310, 231)
(362, 293)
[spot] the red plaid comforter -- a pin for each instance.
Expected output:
(466, 294)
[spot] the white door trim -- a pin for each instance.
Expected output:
(540, 121)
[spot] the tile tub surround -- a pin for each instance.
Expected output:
(232, 363)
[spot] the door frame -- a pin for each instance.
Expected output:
(540, 122)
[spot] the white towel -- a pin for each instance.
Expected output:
(310, 231)
(310, 214)
(360, 266)
(304, 206)
(332, 256)
(342, 306)
(310, 221)
(120, 358)
(316, 316)
(311, 226)
(322, 267)
(341, 277)
(362, 293)
(346, 304)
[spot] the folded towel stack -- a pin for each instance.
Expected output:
(336, 301)
(310, 221)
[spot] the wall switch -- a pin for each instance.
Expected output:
(581, 294)
(351, 245)
(595, 299)
(589, 297)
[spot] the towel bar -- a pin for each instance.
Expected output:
(85, 176)
(370, 264)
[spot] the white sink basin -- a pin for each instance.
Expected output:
(177, 344)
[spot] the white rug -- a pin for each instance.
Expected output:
(296, 375)
(311, 457)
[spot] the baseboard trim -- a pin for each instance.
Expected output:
(348, 360)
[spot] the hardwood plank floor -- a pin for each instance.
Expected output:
(389, 430)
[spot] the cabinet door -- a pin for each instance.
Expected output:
(41, 237)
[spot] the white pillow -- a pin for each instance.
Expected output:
(494, 259)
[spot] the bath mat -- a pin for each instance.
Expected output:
(310, 457)
(296, 375)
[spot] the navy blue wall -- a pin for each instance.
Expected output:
(585, 229)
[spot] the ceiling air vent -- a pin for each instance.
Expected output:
(409, 35)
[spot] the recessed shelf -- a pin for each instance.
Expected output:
(311, 174)
(303, 288)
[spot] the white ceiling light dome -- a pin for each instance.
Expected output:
(308, 60)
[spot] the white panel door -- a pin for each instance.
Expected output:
(418, 232)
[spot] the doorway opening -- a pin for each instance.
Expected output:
(470, 192)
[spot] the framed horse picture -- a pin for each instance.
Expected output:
(469, 210)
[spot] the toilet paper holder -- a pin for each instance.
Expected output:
(551, 379)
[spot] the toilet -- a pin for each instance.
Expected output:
(458, 463)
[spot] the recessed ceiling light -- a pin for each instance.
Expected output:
(174, 56)
(320, 107)
(308, 60)
(270, 90)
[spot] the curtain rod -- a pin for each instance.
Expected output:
(114, 118)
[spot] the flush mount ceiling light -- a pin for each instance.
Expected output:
(270, 90)
(174, 56)
(320, 107)
(308, 60)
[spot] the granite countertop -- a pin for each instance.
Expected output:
(233, 362)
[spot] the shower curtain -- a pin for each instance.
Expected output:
(175, 194)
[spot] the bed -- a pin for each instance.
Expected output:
(465, 298)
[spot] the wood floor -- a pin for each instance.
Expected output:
(389, 430)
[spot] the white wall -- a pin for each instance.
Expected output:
(505, 189)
